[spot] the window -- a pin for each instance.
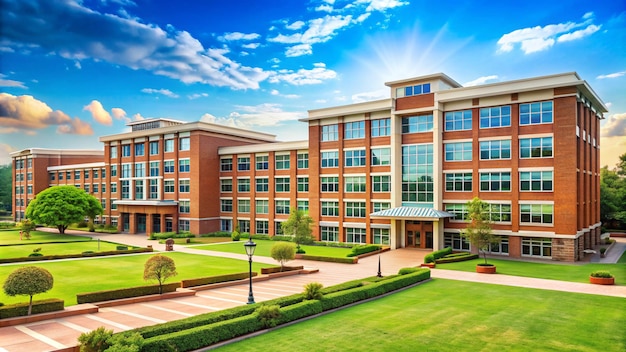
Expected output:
(459, 182)
(125, 150)
(535, 113)
(459, 210)
(104, 187)
(95, 173)
(455, 241)
(139, 189)
(381, 156)
(329, 233)
(329, 184)
(77, 175)
(113, 188)
(354, 130)
(303, 205)
(126, 170)
(113, 151)
(458, 120)
(243, 185)
(380, 236)
(354, 157)
(244, 225)
(113, 207)
(282, 162)
(183, 186)
(500, 248)
(154, 189)
(381, 127)
(413, 90)
(168, 186)
(330, 133)
(169, 145)
(278, 228)
(354, 235)
(139, 149)
(140, 170)
(416, 124)
(183, 165)
(29, 176)
(113, 170)
(60, 176)
(183, 225)
(330, 159)
(103, 203)
(29, 189)
(493, 150)
(262, 206)
(417, 174)
(535, 147)
(68, 175)
(498, 116)
(168, 166)
(52, 176)
(183, 143)
(378, 206)
(243, 164)
(226, 185)
(495, 181)
(354, 184)
(125, 189)
(226, 164)
(225, 225)
(154, 148)
(262, 184)
(330, 208)
(282, 184)
(303, 184)
(355, 209)
(500, 212)
(281, 206)
(536, 181)
(303, 160)
(243, 205)
(461, 151)
(262, 227)
(183, 206)
(154, 168)
(536, 213)
(226, 205)
(381, 183)
(536, 247)
(95, 188)
(262, 162)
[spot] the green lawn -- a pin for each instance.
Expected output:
(622, 259)
(563, 272)
(56, 248)
(89, 275)
(13, 237)
(263, 248)
(447, 315)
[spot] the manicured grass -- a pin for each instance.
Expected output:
(198, 240)
(13, 237)
(622, 259)
(563, 272)
(263, 248)
(56, 248)
(96, 274)
(446, 315)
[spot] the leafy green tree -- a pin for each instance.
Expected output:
(160, 268)
(299, 226)
(283, 252)
(28, 281)
(478, 231)
(613, 193)
(26, 227)
(61, 206)
(5, 188)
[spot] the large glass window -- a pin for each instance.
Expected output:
(354, 158)
(183, 206)
(243, 185)
(381, 127)
(139, 189)
(354, 184)
(183, 143)
(355, 210)
(535, 113)
(413, 90)
(262, 184)
(125, 189)
(243, 163)
(459, 182)
(330, 159)
(497, 116)
(169, 145)
(262, 227)
(330, 208)
(183, 165)
(495, 181)
(356, 235)
(461, 151)
(126, 150)
(493, 150)
(303, 160)
(458, 209)
(262, 206)
(303, 184)
(226, 205)
(536, 213)
(226, 164)
(281, 206)
(535, 181)
(303, 205)
(282, 162)
(535, 147)
(381, 156)
(329, 184)
(380, 236)
(140, 169)
(378, 206)
(226, 185)
(536, 247)
(244, 226)
(154, 168)
(126, 170)
(183, 186)
(113, 151)
(501, 247)
(354, 130)
(416, 124)
(282, 184)
(381, 183)
(168, 166)
(329, 233)
(243, 205)
(154, 148)
(330, 133)
(168, 186)
(154, 188)
(262, 162)
(455, 241)
(139, 149)
(458, 120)
(417, 174)
(500, 212)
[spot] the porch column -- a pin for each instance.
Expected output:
(149, 222)
(437, 234)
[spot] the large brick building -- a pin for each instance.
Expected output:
(397, 171)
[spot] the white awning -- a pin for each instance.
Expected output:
(412, 213)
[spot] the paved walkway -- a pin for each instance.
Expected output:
(62, 333)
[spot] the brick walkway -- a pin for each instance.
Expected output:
(62, 333)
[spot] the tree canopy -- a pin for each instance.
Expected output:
(613, 194)
(283, 252)
(478, 231)
(160, 268)
(61, 206)
(28, 281)
(299, 226)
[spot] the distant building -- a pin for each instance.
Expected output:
(397, 171)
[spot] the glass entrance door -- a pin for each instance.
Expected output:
(410, 239)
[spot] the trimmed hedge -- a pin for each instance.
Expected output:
(404, 271)
(215, 279)
(129, 292)
(216, 234)
(333, 244)
(299, 311)
(364, 248)
(457, 258)
(166, 235)
(432, 257)
(329, 259)
(21, 309)
(77, 255)
(279, 269)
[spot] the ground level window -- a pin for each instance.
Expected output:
(329, 234)
(354, 235)
(537, 247)
(183, 225)
(500, 248)
(455, 241)
(262, 227)
(380, 236)
(226, 225)
(244, 226)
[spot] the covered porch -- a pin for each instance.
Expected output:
(146, 217)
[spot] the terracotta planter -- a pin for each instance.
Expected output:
(428, 265)
(602, 280)
(486, 269)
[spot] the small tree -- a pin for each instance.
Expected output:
(160, 268)
(27, 227)
(28, 281)
(478, 231)
(283, 252)
(299, 226)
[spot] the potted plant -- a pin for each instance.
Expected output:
(602, 252)
(478, 232)
(602, 277)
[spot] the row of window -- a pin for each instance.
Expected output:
(531, 246)
(540, 147)
(500, 116)
(95, 173)
(184, 143)
(534, 214)
(529, 181)
(19, 163)
(261, 162)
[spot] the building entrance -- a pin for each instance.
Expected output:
(419, 234)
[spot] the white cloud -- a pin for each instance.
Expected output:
(381, 5)
(299, 50)
(138, 117)
(5, 150)
(275, 92)
(197, 95)
(99, 114)
(303, 76)
(324, 8)
(295, 26)
(241, 36)
(11, 83)
(118, 113)
(166, 92)
(612, 75)
(369, 96)
(480, 80)
(251, 45)
(249, 117)
(592, 28)
(77, 65)
(319, 30)
(615, 126)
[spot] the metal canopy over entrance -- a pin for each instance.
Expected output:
(412, 213)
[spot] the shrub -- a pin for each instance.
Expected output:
(405, 271)
(261, 237)
(214, 279)
(28, 281)
(459, 257)
(35, 254)
(65, 256)
(300, 251)
(166, 235)
(283, 252)
(21, 309)
(329, 259)
(268, 315)
(299, 311)
(282, 238)
(160, 268)
(602, 250)
(363, 248)
(95, 340)
(121, 248)
(430, 258)
(216, 234)
(313, 290)
(109, 295)
(82, 224)
(235, 236)
(602, 274)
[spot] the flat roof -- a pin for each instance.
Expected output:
(435, 76)
(264, 147)
(46, 151)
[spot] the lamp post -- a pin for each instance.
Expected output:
(250, 247)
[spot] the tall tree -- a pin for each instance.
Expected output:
(299, 226)
(5, 187)
(478, 231)
(61, 206)
(160, 268)
(28, 281)
(613, 193)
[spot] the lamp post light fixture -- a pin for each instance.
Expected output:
(250, 247)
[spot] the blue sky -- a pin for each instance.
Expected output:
(71, 71)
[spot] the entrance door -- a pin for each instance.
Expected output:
(419, 234)
(156, 222)
(429, 239)
(141, 223)
(410, 239)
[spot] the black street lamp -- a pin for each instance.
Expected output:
(250, 247)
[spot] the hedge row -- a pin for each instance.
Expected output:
(457, 258)
(216, 234)
(21, 309)
(430, 258)
(29, 242)
(129, 292)
(329, 259)
(333, 244)
(81, 255)
(166, 235)
(214, 279)
(364, 248)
